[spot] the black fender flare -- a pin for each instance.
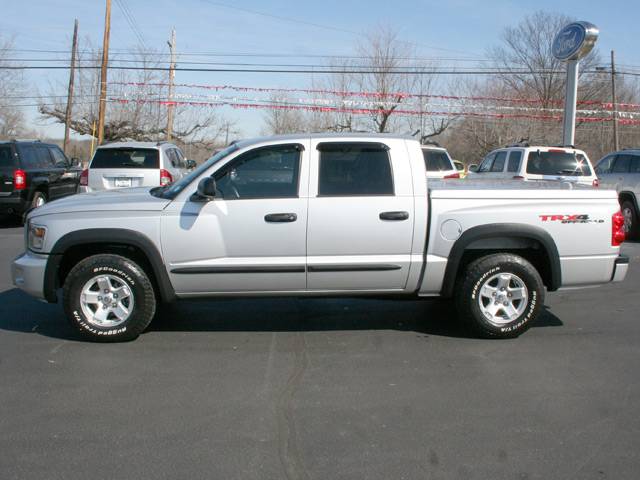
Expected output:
(634, 199)
(106, 235)
(501, 230)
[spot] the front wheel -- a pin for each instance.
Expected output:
(499, 295)
(109, 298)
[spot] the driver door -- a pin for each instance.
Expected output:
(252, 236)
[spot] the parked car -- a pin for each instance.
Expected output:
(621, 171)
(438, 162)
(33, 173)
(462, 170)
(537, 163)
(319, 215)
(134, 164)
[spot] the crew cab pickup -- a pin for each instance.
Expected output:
(320, 215)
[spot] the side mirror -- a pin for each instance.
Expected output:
(190, 164)
(206, 190)
(473, 167)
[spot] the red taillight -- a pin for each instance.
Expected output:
(596, 182)
(617, 229)
(165, 178)
(84, 178)
(19, 180)
(518, 177)
(453, 175)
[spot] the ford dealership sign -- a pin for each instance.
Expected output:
(574, 41)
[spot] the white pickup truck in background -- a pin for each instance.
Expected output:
(320, 215)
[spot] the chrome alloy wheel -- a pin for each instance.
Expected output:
(627, 213)
(40, 201)
(503, 298)
(106, 301)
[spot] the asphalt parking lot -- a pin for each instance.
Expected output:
(322, 389)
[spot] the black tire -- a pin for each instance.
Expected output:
(633, 229)
(37, 198)
(478, 274)
(124, 272)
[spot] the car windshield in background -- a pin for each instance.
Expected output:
(174, 189)
(126, 158)
(436, 161)
(557, 163)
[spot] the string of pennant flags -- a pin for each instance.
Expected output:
(399, 96)
(243, 104)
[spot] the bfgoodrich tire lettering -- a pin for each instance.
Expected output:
(484, 275)
(121, 274)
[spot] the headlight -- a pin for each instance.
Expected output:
(37, 234)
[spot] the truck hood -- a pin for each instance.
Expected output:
(126, 199)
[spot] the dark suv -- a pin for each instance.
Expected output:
(33, 173)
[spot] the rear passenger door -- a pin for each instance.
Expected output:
(514, 164)
(361, 216)
(69, 178)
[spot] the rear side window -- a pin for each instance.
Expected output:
(33, 158)
(604, 166)
(436, 160)
(622, 164)
(498, 163)
(635, 164)
(557, 163)
(44, 157)
(126, 158)
(6, 157)
(515, 159)
(354, 169)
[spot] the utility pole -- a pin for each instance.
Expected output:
(172, 74)
(72, 71)
(102, 107)
(614, 101)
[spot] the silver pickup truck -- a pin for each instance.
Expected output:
(320, 215)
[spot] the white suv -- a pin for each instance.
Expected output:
(536, 163)
(438, 162)
(134, 164)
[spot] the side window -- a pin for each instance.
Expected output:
(604, 165)
(58, 157)
(486, 164)
(354, 169)
(28, 157)
(44, 158)
(515, 159)
(635, 164)
(172, 157)
(622, 164)
(181, 158)
(268, 172)
(498, 163)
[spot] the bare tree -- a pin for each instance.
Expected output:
(12, 86)
(135, 105)
(280, 120)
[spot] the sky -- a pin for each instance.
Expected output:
(443, 29)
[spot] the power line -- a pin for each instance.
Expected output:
(132, 22)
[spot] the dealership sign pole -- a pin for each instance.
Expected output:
(571, 44)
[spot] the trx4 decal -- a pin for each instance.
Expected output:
(570, 219)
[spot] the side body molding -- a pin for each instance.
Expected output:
(106, 236)
(501, 230)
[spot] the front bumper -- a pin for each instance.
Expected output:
(28, 273)
(620, 268)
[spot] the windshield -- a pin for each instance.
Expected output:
(557, 163)
(436, 161)
(126, 158)
(171, 191)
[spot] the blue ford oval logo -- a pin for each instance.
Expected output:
(569, 41)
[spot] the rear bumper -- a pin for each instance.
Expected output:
(13, 205)
(28, 272)
(620, 268)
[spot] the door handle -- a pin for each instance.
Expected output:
(394, 215)
(280, 217)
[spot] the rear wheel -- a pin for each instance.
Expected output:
(109, 298)
(39, 199)
(630, 219)
(499, 295)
